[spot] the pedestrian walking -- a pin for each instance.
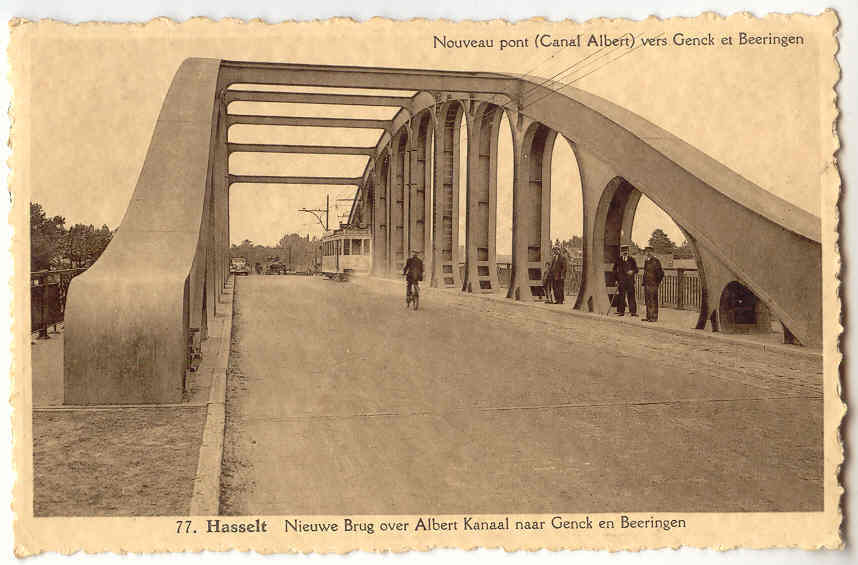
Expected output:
(625, 270)
(547, 284)
(652, 277)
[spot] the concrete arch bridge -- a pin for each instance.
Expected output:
(131, 316)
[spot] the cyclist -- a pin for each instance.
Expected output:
(413, 272)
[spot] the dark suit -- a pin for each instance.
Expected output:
(626, 285)
(652, 277)
(558, 276)
(548, 285)
(413, 272)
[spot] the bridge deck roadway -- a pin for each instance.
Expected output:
(342, 402)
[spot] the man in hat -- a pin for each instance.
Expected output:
(558, 274)
(413, 271)
(652, 277)
(625, 270)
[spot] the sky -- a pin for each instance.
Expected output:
(281, 214)
(93, 103)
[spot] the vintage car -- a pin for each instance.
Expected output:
(239, 266)
(275, 269)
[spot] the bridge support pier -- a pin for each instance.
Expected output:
(399, 193)
(533, 144)
(380, 215)
(419, 210)
(481, 273)
(596, 177)
(445, 242)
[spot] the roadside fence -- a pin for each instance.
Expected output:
(48, 291)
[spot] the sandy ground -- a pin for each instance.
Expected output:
(118, 462)
(122, 462)
(341, 402)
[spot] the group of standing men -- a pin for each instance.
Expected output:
(625, 270)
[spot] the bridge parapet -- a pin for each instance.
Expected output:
(127, 317)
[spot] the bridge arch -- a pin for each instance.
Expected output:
(602, 247)
(614, 224)
(533, 145)
(130, 317)
(566, 209)
(380, 214)
(678, 178)
(741, 311)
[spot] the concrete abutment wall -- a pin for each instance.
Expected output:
(131, 317)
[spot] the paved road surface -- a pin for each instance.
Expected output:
(342, 402)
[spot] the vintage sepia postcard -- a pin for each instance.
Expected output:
(398, 285)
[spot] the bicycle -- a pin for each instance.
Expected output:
(412, 296)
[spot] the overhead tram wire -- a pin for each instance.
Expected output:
(609, 62)
(552, 77)
(584, 61)
(527, 72)
(564, 71)
(570, 83)
(581, 62)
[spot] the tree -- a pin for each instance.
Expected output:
(53, 246)
(83, 244)
(295, 250)
(661, 243)
(299, 250)
(76, 244)
(98, 243)
(46, 236)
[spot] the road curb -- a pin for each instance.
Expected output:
(793, 350)
(206, 495)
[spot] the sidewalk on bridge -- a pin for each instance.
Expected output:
(677, 322)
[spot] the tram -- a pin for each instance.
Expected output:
(345, 252)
